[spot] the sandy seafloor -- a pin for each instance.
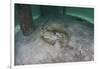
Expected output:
(33, 50)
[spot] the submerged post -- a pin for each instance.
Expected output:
(25, 17)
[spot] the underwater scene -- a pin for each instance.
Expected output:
(52, 34)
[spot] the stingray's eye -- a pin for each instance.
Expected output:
(54, 33)
(42, 37)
